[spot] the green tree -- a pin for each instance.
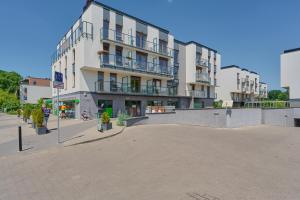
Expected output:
(274, 94)
(9, 81)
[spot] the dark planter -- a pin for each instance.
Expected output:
(41, 130)
(33, 125)
(107, 126)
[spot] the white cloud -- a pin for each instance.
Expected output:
(170, 1)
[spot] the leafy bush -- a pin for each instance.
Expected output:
(8, 102)
(121, 119)
(218, 104)
(33, 115)
(27, 112)
(39, 117)
(105, 118)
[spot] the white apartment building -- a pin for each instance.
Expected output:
(290, 70)
(112, 59)
(33, 89)
(238, 85)
(263, 90)
(198, 73)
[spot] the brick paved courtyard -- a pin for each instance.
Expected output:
(161, 162)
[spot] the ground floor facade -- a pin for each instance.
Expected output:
(133, 105)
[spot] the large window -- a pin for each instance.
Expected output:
(141, 40)
(163, 64)
(73, 67)
(113, 82)
(135, 84)
(176, 55)
(100, 81)
(105, 53)
(163, 46)
(105, 29)
(141, 59)
(119, 32)
(119, 61)
(156, 86)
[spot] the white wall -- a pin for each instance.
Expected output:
(290, 70)
(34, 93)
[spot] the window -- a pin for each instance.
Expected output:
(105, 29)
(66, 78)
(34, 82)
(141, 40)
(163, 46)
(105, 55)
(135, 84)
(119, 32)
(141, 60)
(202, 87)
(73, 68)
(156, 86)
(198, 58)
(113, 82)
(119, 60)
(176, 56)
(100, 81)
(163, 64)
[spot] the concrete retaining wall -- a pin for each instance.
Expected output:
(222, 118)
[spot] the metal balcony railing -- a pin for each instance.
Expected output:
(196, 93)
(84, 30)
(126, 39)
(136, 89)
(129, 64)
(203, 77)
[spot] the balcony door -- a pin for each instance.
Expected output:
(119, 56)
(119, 34)
(141, 61)
(163, 64)
(105, 54)
(156, 86)
(135, 84)
(163, 46)
(141, 40)
(100, 81)
(105, 29)
(113, 82)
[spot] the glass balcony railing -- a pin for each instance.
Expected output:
(196, 93)
(129, 64)
(203, 63)
(126, 39)
(136, 89)
(203, 77)
(85, 30)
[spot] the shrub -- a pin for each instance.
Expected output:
(33, 115)
(105, 118)
(39, 117)
(121, 118)
(218, 104)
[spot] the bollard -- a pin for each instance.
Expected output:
(20, 138)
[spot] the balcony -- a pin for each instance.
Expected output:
(203, 77)
(126, 88)
(110, 35)
(84, 30)
(196, 93)
(129, 64)
(203, 63)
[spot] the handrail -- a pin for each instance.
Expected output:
(126, 87)
(128, 63)
(196, 93)
(110, 34)
(203, 77)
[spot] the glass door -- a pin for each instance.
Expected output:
(135, 84)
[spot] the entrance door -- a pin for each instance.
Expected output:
(133, 108)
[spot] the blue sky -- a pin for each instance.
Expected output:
(249, 33)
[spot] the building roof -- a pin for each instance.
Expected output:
(231, 66)
(291, 50)
(196, 43)
(128, 15)
(235, 66)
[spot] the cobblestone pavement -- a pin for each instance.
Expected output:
(162, 162)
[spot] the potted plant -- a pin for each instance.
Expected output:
(105, 122)
(39, 118)
(33, 117)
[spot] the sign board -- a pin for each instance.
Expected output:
(58, 80)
